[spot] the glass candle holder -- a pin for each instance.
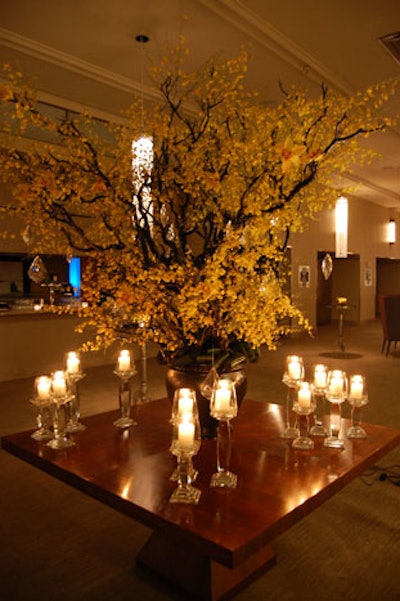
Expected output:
(44, 408)
(223, 407)
(319, 384)
(186, 440)
(336, 393)
(357, 398)
(60, 395)
(125, 370)
(184, 405)
(74, 375)
(292, 377)
(304, 405)
(184, 401)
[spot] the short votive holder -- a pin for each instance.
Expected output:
(357, 398)
(319, 383)
(336, 394)
(60, 396)
(74, 375)
(304, 406)
(223, 407)
(186, 440)
(292, 378)
(44, 409)
(125, 370)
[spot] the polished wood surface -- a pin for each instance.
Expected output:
(277, 485)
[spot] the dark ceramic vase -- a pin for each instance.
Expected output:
(192, 377)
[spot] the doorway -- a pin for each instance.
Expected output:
(343, 281)
(387, 278)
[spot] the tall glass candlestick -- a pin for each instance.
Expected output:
(336, 393)
(304, 405)
(223, 407)
(186, 440)
(74, 375)
(319, 384)
(292, 377)
(358, 398)
(44, 408)
(125, 370)
(60, 395)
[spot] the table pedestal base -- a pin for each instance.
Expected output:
(197, 574)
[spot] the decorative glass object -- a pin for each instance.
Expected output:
(125, 370)
(292, 377)
(357, 397)
(44, 408)
(223, 407)
(60, 395)
(336, 393)
(319, 384)
(74, 375)
(184, 405)
(327, 266)
(303, 407)
(186, 440)
(37, 272)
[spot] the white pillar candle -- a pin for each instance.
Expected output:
(185, 404)
(294, 369)
(124, 361)
(336, 385)
(304, 396)
(73, 363)
(356, 387)
(43, 387)
(59, 384)
(320, 376)
(186, 434)
(222, 401)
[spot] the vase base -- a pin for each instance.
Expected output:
(124, 422)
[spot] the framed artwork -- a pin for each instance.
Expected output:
(304, 276)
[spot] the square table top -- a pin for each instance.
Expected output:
(277, 485)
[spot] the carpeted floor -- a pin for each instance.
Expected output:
(58, 544)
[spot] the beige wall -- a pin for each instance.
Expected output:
(367, 238)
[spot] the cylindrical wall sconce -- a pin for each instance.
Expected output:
(341, 227)
(391, 231)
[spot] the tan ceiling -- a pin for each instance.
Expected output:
(84, 53)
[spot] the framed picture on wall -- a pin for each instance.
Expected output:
(304, 276)
(368, 276)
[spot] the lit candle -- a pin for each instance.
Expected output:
(356, 387)
(73, 363)
(294, 368)
(124, 361)
(185, 404)
(186, 434)
(336, 385)
(222, 400)
(43, 387)
(304, 396)
(59, 384)
(320, 376)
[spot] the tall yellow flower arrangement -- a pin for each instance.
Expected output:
(186, 248)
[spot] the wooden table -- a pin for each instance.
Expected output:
(216, 546)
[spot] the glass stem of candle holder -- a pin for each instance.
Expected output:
(224, 478)
(44, 421)
(74, 408)
(303, 441)
(185, 492)
(291, 430)
(60, 440)
(319, 429)
(125, 404)
(333, 439)
(355, 430)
